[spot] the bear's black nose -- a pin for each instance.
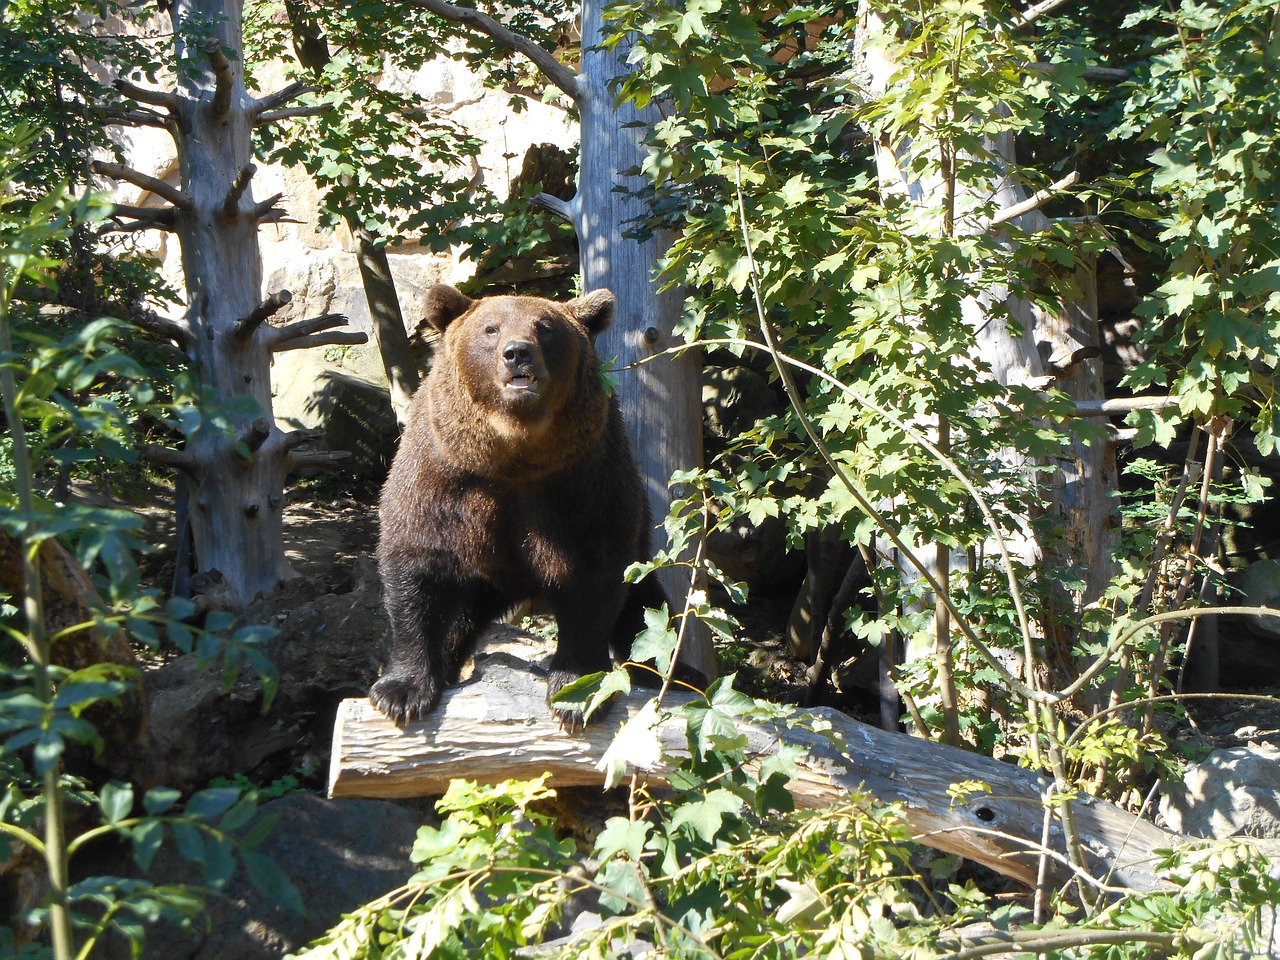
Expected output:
(517, 353)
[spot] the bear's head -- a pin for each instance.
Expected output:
(525, 357)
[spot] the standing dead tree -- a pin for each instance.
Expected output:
(236, 458)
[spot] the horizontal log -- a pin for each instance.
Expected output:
(1119, 405)
(498, 726)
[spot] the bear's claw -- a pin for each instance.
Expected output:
(404, 699)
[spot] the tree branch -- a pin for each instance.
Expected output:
(222, 79)
(144, 218)
(118, 171)
(279, 98)
(253, 437)
(273, 116)
(1094, 74)
(340, 337)
(296, 438)
(550, 67)
(301, 328)
(277, 216)
(243, 329)
(131, 118)
(175, 330)
(166, 456)
(1035, 201)
(156, 98)
(263, 208)
(1118, 405)
(231, 205)
(1036, 11)
(320, 459)
(564, 209)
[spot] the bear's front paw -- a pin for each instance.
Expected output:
(404, 698)
(570, 718)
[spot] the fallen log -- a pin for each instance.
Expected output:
(497, 726)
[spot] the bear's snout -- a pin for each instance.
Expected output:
(524, 370)
(518, 355)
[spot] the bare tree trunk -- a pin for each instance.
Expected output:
(388, 322)
(238, 493)
(380, 294)
(661, 399)
(236, 458)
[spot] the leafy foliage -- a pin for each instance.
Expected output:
(1205, 108)
(46, 708)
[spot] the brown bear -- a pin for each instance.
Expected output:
(514, 480)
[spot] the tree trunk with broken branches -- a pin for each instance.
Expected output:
(235, 457)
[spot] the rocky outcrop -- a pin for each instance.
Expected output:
(1230, 793)
(339, 854)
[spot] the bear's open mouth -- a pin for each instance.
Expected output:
(522, 381)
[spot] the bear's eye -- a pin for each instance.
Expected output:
(491, 331)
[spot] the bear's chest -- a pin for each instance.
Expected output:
(524, 534)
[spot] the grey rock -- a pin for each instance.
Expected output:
(1260, 584)
(1230, 793)
(340, 854)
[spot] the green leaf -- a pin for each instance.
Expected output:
(48, 751)
(622, 887)
(704, 817)
(635, 746)
(212, 802)
(657, 643)
(116, 800)
(147, 838)
(159, 799)
(622, 835)
(272, 882)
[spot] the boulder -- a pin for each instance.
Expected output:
(1233, 792)
(1260, 584)
(340, 854)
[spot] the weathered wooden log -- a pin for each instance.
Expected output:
(497, 726)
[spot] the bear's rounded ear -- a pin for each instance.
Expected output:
(594, 310)
(445, 304)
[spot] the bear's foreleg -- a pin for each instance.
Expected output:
(434, 626)
(586, 613)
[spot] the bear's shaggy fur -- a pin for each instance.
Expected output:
(514, 480)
